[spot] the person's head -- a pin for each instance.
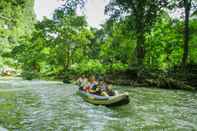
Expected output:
(101, 80)
(92, 78)
(83, 76)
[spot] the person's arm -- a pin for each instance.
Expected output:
(104, 93)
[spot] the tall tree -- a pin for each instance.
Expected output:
(189, 5)
(189, 8)
(142, 14)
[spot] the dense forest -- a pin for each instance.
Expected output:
(16, 20)
(142, 42)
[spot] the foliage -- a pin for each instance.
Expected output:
(189, 7)
(89, 67)
(141, 15)
(163, 45)
(138, 33)
(57, 43)
(117, 45)
(115, 67)
(193, 44)
(16, 19)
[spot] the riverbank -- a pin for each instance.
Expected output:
(136, 77)
(158, 79)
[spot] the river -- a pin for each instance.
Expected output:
(49, 105)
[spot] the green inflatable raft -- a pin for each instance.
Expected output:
(116, 100)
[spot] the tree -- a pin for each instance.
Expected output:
(142, 15)
(163, 44)
(55, 44)
(187, 4)
(17, 18)
(189, 9)
(116, 44)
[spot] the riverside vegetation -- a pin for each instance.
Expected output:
(139, 44)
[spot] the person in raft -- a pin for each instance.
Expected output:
(103, 87)
(100, 88)
(105, 90)
(82, 81)
(91, 87)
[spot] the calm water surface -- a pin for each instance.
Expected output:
(48, 105)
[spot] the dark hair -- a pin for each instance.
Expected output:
(83, 75)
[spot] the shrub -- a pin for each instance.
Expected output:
(117, 67)
(29, 75)
(89, 67)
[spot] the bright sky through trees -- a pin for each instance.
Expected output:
(94, 10)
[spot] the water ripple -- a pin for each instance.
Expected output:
(51, 105)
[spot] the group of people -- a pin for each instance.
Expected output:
(91, 85)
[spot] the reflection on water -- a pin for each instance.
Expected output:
(44, 105)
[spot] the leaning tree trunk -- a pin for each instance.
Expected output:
(186, 34)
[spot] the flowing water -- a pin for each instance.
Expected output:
(47, 105)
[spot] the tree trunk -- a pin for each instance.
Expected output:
(67, 58)
(187, 4)
(137, 58)
(140, 51)
(140, 31)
